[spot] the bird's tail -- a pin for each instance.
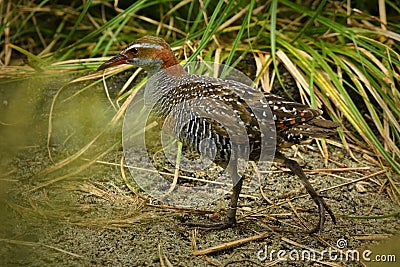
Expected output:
(315, 128)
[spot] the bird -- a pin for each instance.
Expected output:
(288, 122)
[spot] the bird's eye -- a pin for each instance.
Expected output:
(134, 50)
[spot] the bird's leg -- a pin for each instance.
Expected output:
(322, 206)
(231, 212)
(232, 207)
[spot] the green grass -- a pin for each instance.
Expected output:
(348, 58)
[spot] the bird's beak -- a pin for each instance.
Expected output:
(117, 60)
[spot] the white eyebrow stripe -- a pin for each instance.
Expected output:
(144, 45)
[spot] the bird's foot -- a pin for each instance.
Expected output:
(229, 222)
(322, 206)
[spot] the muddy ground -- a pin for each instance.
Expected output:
(65, 204)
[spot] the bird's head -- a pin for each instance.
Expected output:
(149, 52)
